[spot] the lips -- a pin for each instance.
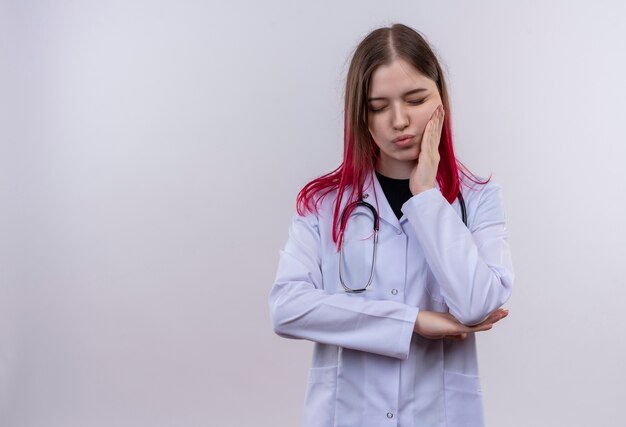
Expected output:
(404, 140)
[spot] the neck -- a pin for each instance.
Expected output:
(395, 169)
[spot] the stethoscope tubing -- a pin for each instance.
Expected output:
(363, 203)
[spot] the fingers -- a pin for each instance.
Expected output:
(438, 116)
(497, 315)
(481, 327)
(432, 132)
(488, 323)
(436, 113)
(424, 173)
(459, 331)
(437, 325)
(427, 136)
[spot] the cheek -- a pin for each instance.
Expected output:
(421, 118)
(374, 127)
(421, 121)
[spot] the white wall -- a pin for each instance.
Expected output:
(150, 155)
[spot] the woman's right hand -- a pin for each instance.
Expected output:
(436, 325)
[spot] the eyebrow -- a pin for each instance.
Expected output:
(411, 92)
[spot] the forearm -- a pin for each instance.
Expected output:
(473, 270)
(300, 310)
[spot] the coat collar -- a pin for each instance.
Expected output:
(373, 193)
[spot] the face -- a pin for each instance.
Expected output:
(400, 103)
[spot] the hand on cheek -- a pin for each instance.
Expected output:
(425, 171)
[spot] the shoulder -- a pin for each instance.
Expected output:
(320, 211)
(475, 191)
(322, 205)
(484, 201)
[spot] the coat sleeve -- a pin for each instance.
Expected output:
(472, 266)
(301, 308)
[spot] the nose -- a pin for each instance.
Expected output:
(400, 118)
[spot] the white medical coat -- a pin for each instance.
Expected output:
(369, 368)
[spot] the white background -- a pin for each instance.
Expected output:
(150, 156)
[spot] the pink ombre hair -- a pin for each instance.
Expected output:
(360, 153)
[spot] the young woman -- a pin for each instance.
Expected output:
(396, 258)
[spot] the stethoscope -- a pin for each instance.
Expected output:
(352, 206)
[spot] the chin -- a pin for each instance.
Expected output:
(410, 157)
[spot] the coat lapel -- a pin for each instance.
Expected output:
(376, 197)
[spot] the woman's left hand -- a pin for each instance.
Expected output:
(437, 325)
(425, 170)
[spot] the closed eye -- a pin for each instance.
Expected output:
(376, 110)
(413, 102)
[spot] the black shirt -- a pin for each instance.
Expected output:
(397, 192)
